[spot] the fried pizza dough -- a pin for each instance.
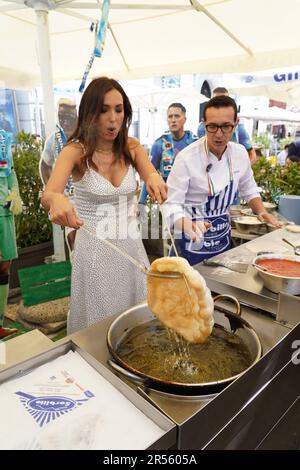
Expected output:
(184, 305)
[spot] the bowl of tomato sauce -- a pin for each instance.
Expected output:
(280, 273)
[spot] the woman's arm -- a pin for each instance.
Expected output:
(156, 186)
(61, 211)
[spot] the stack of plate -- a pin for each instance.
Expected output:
(248, 224)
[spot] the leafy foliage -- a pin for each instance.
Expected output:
(263, 141)
(32, 226)
(284, 142)
(276, 180)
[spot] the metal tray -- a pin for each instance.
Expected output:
(166, 441)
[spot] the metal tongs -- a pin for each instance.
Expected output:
(143, 269)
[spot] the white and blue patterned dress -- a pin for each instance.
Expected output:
(103, 281)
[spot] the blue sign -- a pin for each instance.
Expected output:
(8, 121)
(286, 77)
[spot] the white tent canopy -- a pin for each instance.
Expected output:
(149, 37)
(287, 92)
(163, 97)
(46, 41)
(273, 114)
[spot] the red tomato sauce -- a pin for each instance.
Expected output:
(281, 267)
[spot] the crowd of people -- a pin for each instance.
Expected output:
(88, 168)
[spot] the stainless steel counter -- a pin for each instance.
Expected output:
(179, 408)
(200, 418)
(248, 287)
(41, 356)
(23, 347)
(197, 418)
(261, 306)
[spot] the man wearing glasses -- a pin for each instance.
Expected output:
(203, 184)
(240, 135)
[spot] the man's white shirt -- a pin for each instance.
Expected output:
(188, 180)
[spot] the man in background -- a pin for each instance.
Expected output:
(67, 118)
(281, 157)
(168, 145)
(293, 154)
(240, 135)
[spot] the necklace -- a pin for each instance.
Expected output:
(105, 152)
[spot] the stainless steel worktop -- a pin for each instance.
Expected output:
(23, 347)
(186, 411)
(248, 287)
(178, 408)
(196, 418)
(200, 419)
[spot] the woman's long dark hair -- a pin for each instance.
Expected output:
(90, 108)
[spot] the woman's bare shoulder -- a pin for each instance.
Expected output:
(135, 147)
(133, 143)
(73, 151)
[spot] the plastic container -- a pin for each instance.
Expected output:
(289, 207)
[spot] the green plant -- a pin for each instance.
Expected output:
(284, 142)
(263, 141)
(289, 179)
(276, 180)
(32, 226)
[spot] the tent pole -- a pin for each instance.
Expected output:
(44, 52)
(45, 67)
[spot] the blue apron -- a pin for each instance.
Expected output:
(216, 211)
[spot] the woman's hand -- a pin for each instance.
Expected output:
(156, 187)
(62, 212)
(268, 218)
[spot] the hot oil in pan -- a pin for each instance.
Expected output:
(150, 349)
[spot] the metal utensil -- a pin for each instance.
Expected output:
(173, 245)
(296, 248)
(148, 272)
(233, 266)
(168, 230)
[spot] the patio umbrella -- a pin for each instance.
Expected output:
(287, 92)
(273, 114)
(46, 41)
(162, 97)
(145, 38)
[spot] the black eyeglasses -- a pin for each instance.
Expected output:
(225, 128)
